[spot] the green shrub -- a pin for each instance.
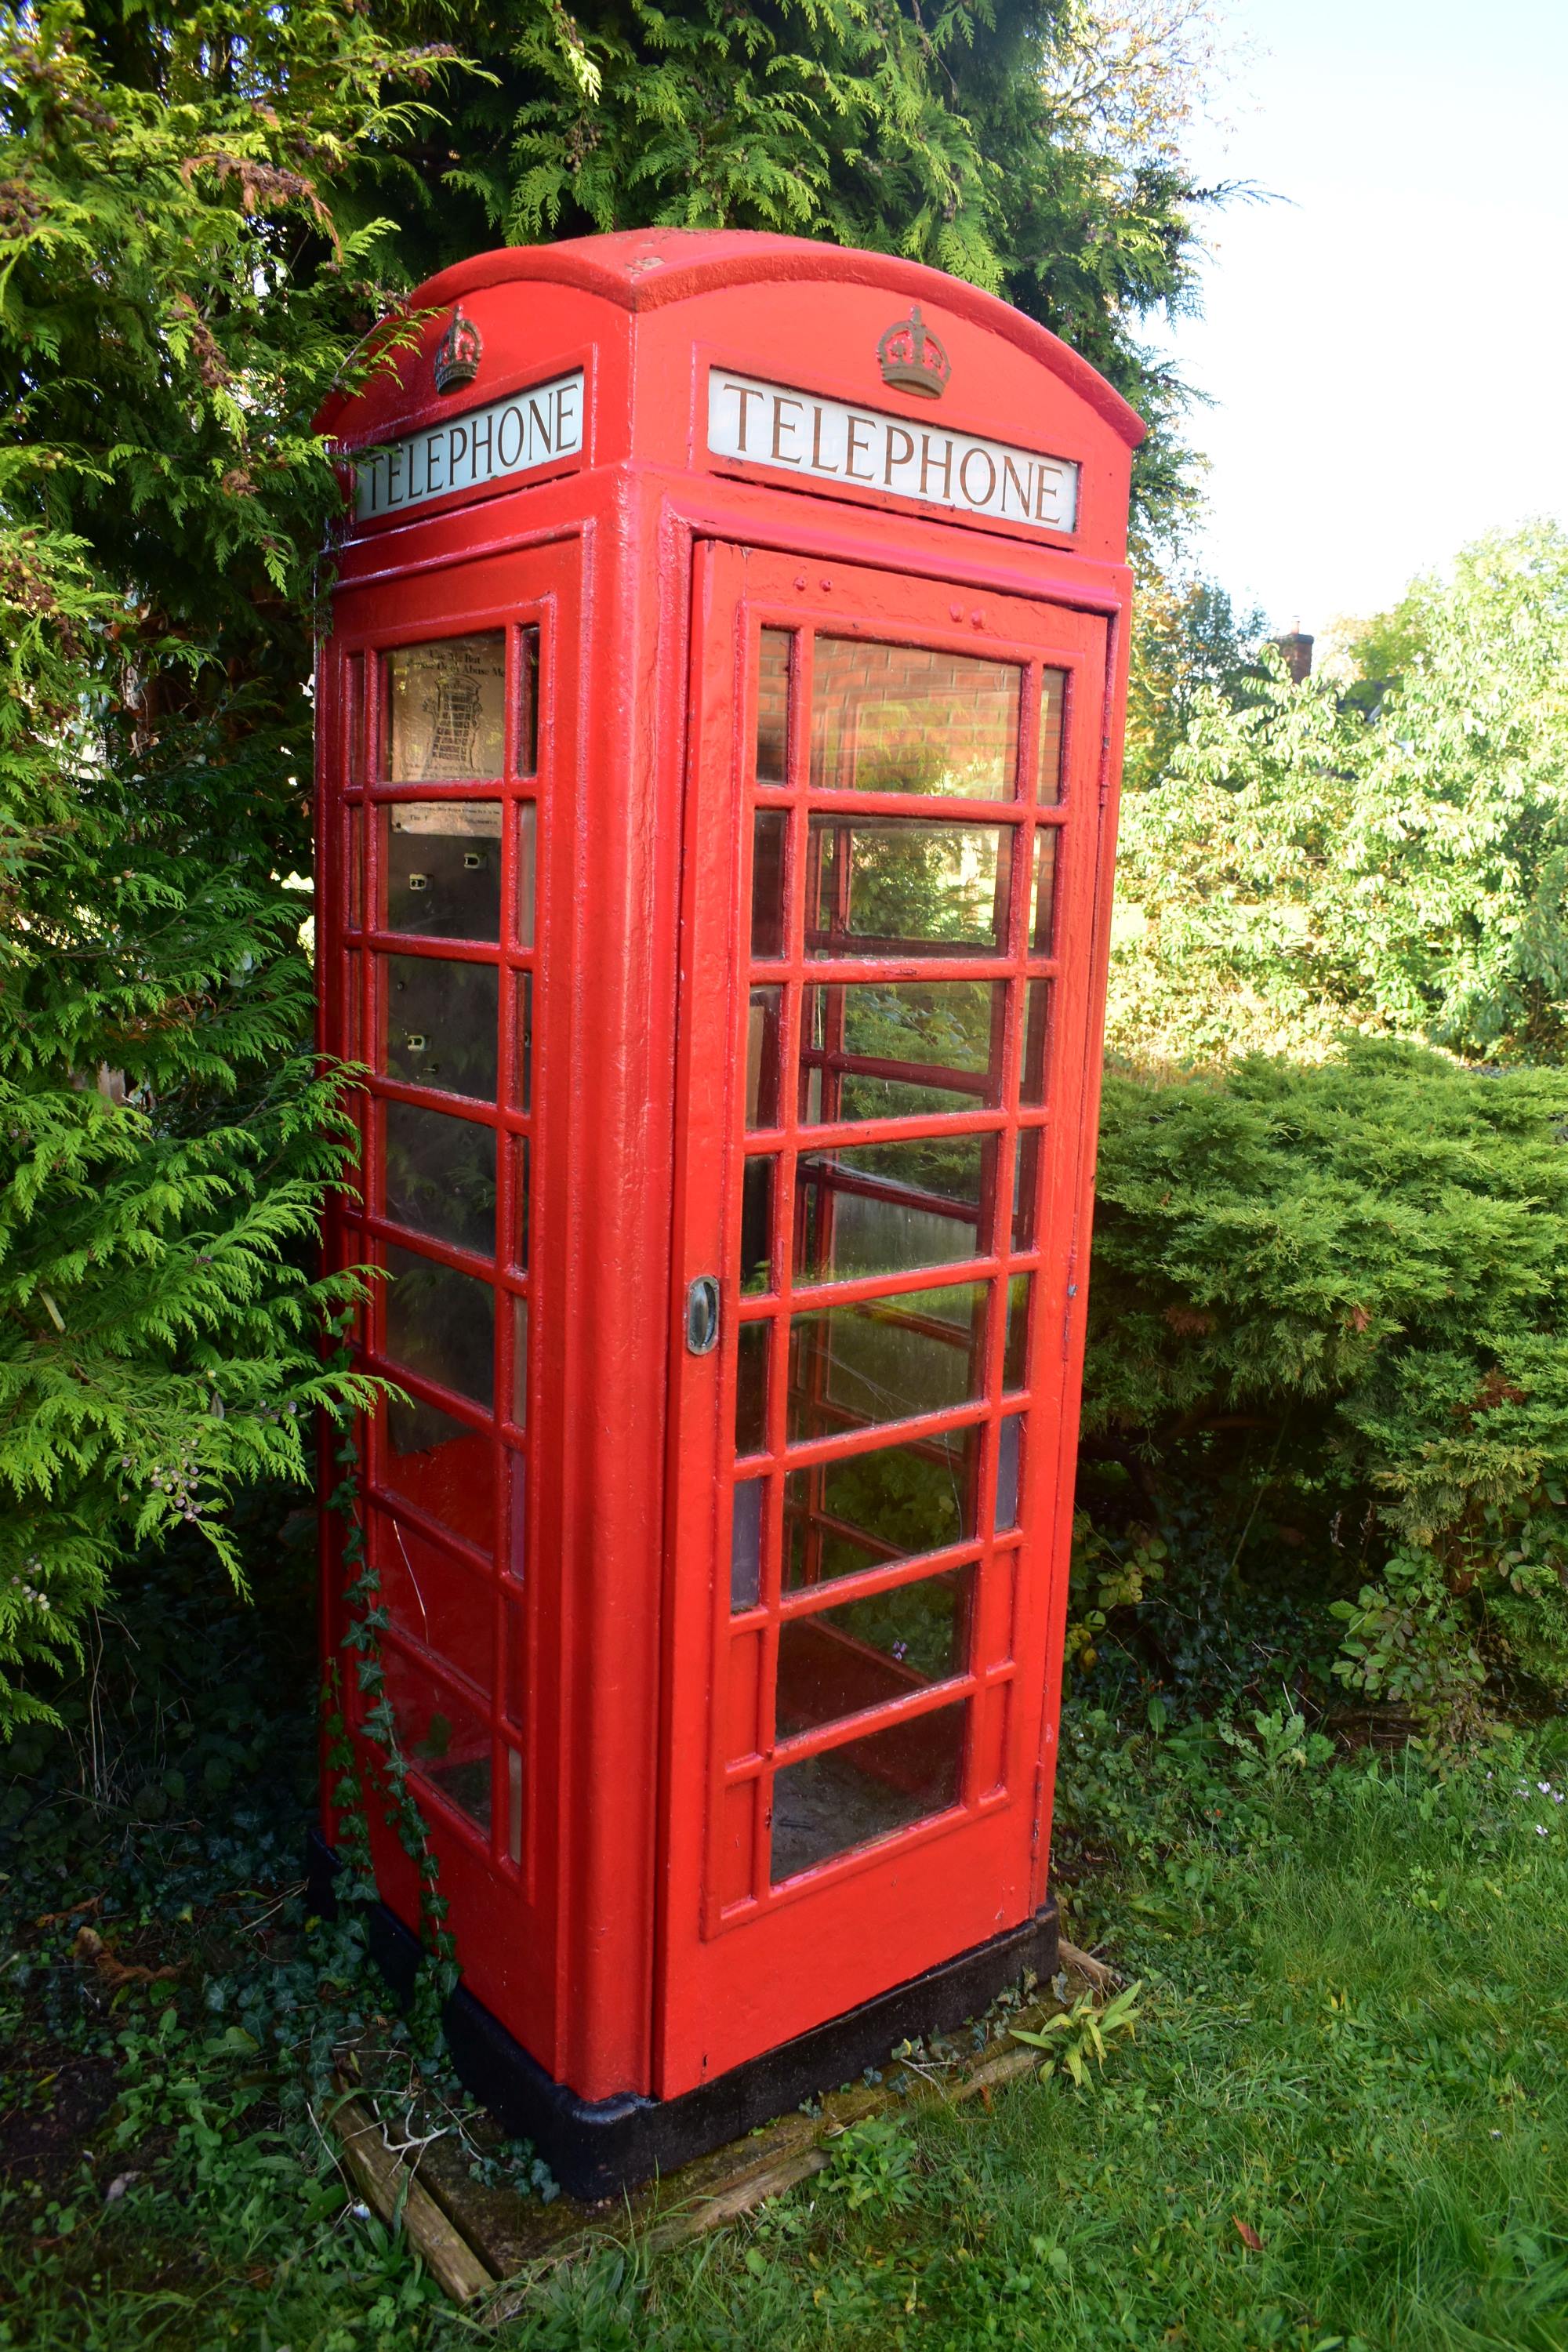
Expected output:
(1332, 1301)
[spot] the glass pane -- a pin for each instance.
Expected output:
(885, 1360)
(868, 1510)
(1048, 767)
(356, 870)
(353, 687)
(520, 1362)
(1025, 1186)
(513, 1805)
(900, 719)
(1009, 1446)
(445, 1740)
(866, 1790)
(1043, 896)
(752, 1389)
(746, 1543)
(516, 1663)
(442, 1466)
(757, 1226)
(762, 1040)
(441, 1025)
(527, 834)
(528, 700)
(887, 1208)
(522, 1045)
(441, 1324)
(435, 1597)
(900, 1049)
(445, 711)
(1016, 1355)
(839, 1661)
(770, 829)
(441, 1176)
(893, 886)
(520, 1205)
(1035, 1073)
(772, 707)
(441, 860)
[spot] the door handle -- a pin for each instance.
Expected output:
(702, 1316)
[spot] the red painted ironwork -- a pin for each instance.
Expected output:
(715, 873)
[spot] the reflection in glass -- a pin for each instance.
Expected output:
(441, 1324)
(520, 1362)
(902, 719)
(527, 834)
(888, 1208)
(513, 1805)
(757, 1226)
(770, 829)
(746, 1543)
(1026, 1188)
(900, 1049)
(528, 700)
(1009, 1446)
(863, 1654)
(891, 885)
(885, 1360)
(763, 1051)
(1048, 766)
(441, 1465)
(434, 1598)
(1017, 1350)
(866, 1790)
(440, 1176)
(445, 711)
(772, 707)
(445, 1742)
(522, 1044)
(441, 863)
(868, 1510)
(1035, 1071)
(353, 680)
(1043, 896)
(441, 1025)
(752, 1388)
(356, 870)
(519, 1203)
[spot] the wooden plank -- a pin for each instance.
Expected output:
(391, 2190)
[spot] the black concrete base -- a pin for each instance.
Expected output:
(596, 2148)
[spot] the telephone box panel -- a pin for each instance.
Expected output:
(716, 800)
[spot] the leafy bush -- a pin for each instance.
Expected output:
(1332, 1303)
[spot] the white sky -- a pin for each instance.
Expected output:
(1387, 351)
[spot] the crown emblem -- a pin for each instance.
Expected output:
(911, 357)
(458, 353)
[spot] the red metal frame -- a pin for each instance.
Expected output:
(615, 1912)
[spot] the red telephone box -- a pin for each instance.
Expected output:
(719, 731)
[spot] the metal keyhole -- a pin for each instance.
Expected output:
(702, 1316)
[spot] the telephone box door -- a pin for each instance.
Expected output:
(889, 888)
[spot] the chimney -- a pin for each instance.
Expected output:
(1296, 647)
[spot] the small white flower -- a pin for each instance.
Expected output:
(1544, 1787)
(1541, 1829)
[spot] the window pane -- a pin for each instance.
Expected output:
(442, 865)
(440, 1466)
(866, 1790)
(355, 909)
(519, 1203)
(839, 1661)
(752, 1388)
(1035, 1073)
(527, 836)
(900, 719)
(757, 1226)
(900, 1049)
(445, 711)
(527, 701)
(746, 1543)
(522, 1044)
(441, 1025)
(856, 1367)
(1026, 1185)
(869, 1509)
(772, 707)
(353, 687)
(887, 1208)
(441, 1176)
(520, 1362)
(770, 829)
(1015, 1356)
(894, 887)
(762, 1042)
(1009, 1444)
(1048, 767)
(434, 1598)
(441, 1324)
(1043, 896)
(445, 1740)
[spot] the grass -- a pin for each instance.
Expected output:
(1342, 2121)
